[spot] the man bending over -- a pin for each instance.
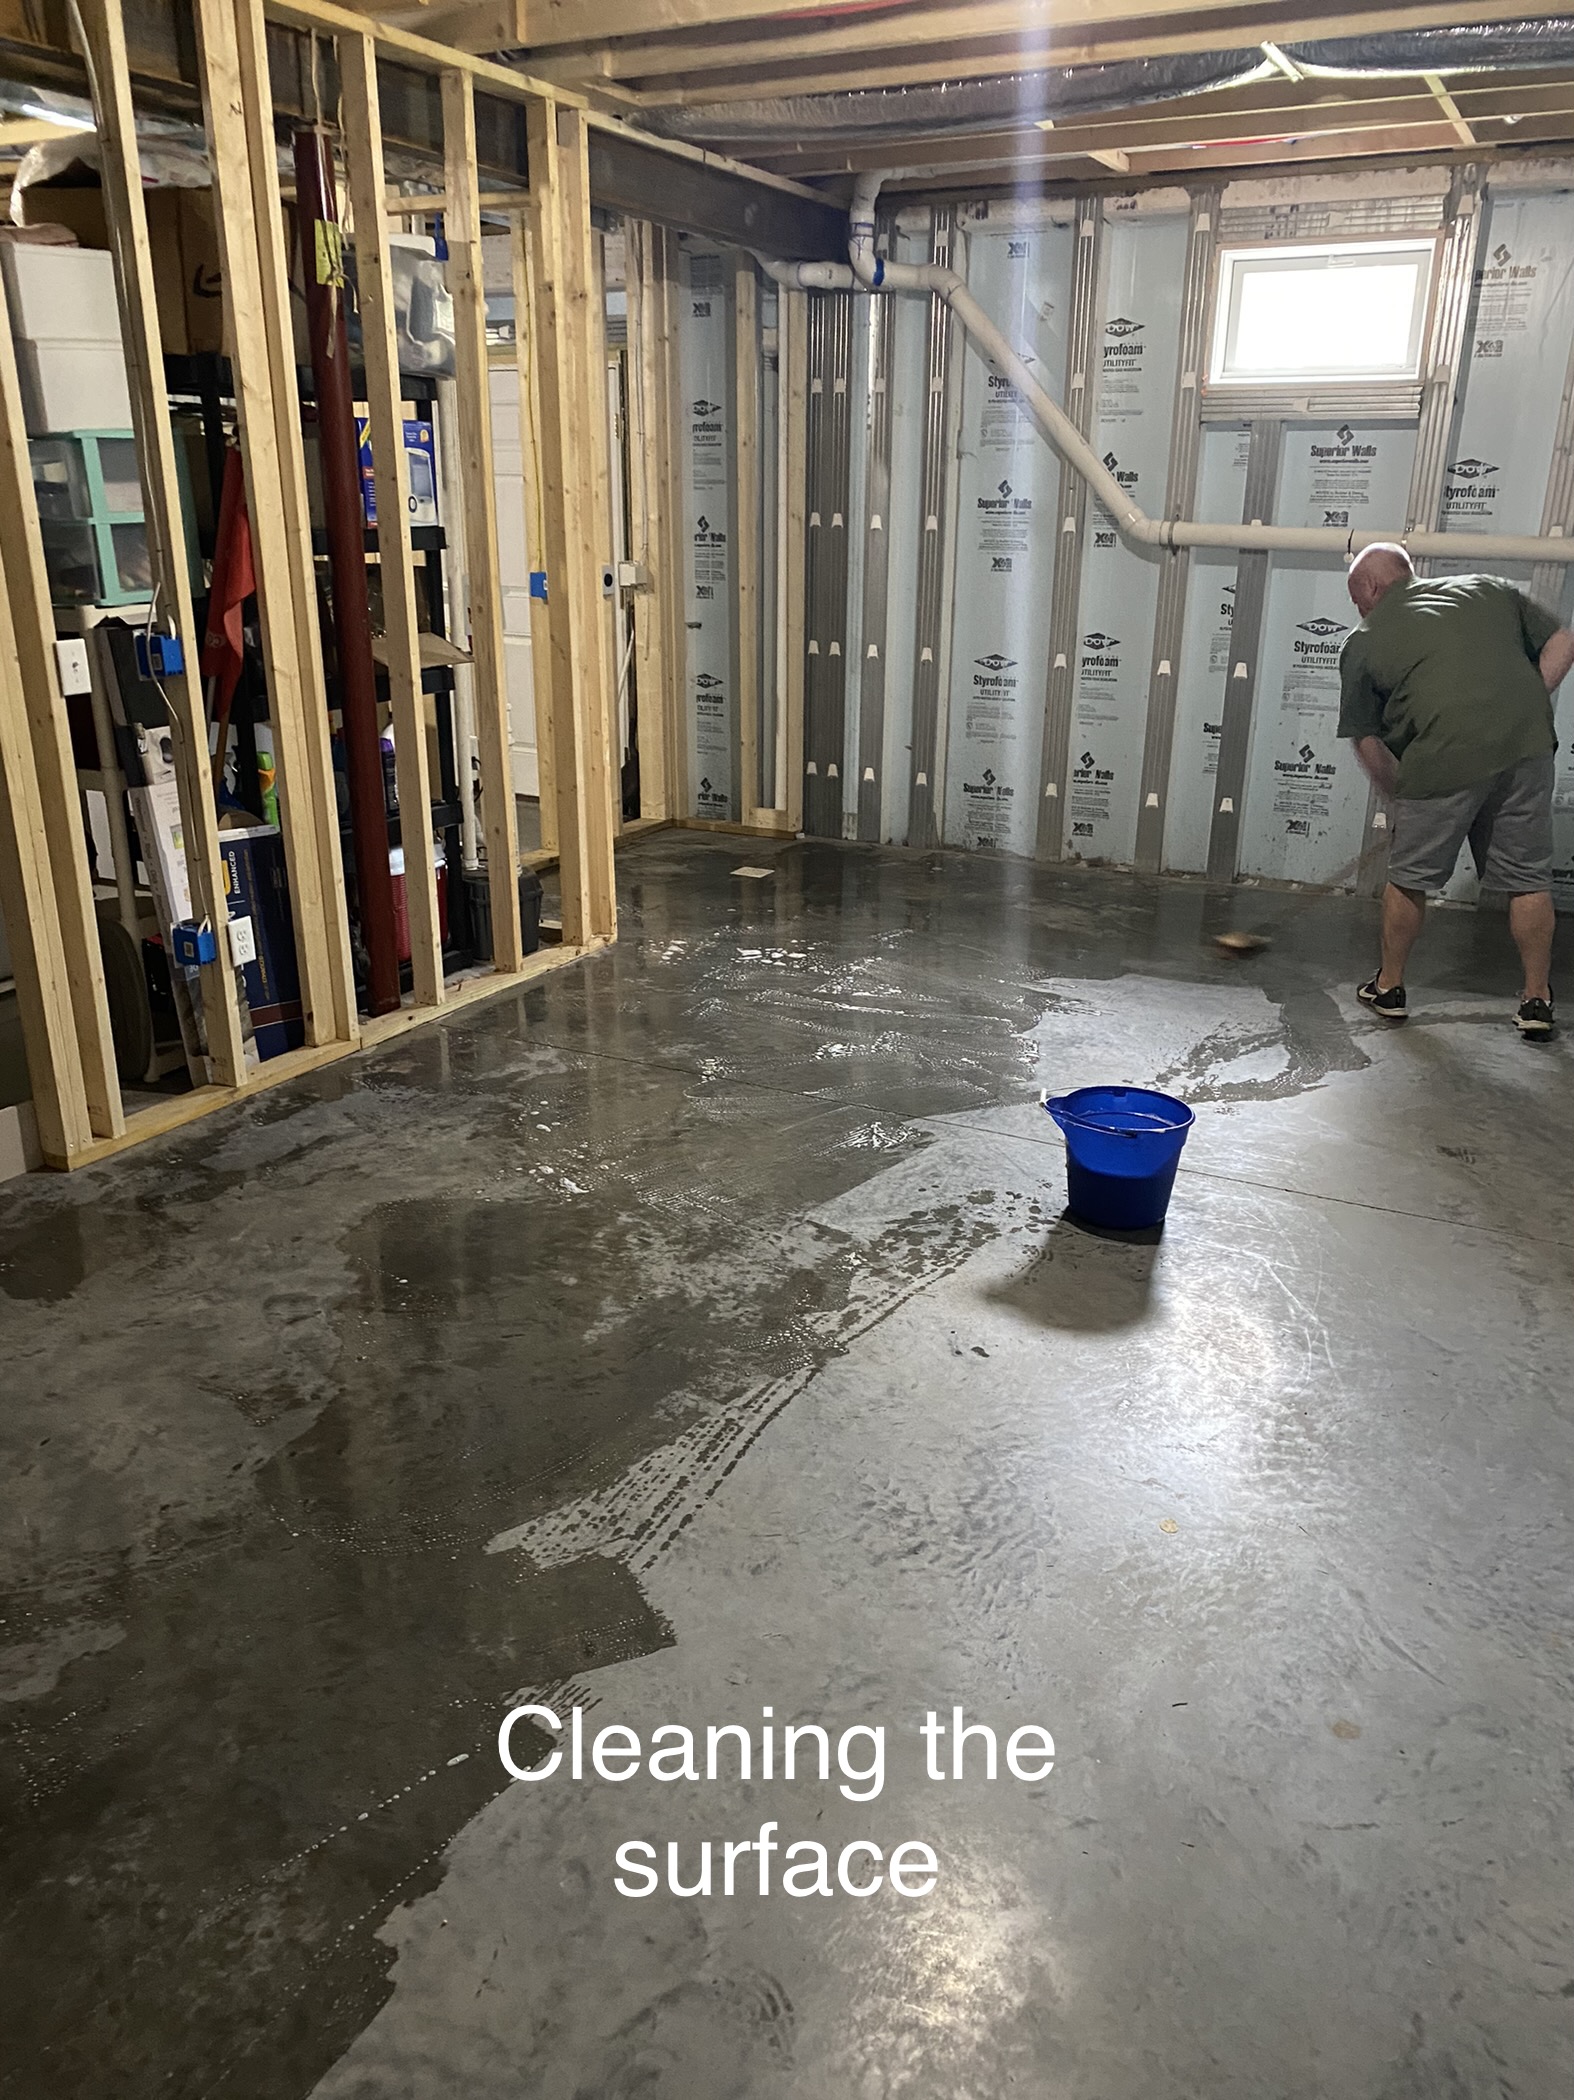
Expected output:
(1447, 695)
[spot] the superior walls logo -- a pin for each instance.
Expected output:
(1005, 503)
(987, 788)
(1303, 766)
(711, 798)
(1504, 270)
(1346, 447)
(1126, 476)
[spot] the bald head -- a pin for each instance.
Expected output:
(1377, 569)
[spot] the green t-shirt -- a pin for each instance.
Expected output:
(1443, 669)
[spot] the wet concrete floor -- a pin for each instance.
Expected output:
(699, 1332)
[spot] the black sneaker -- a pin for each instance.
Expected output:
(1535, 1019)
(1388, 1006)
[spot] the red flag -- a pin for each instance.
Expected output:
(234, 580)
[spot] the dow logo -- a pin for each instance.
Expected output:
(1471, 469)
(995, 663)
(706, 681)
(1099, 640)
(707, 408)
(1123, 327)
(1321, 626)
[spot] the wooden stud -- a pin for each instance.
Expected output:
(523, 266)
(560, 237)
(746, 465)
(258, 414)
(793, 312)
(121, 173)
(363, 140)
(612, 638)
(588, 345)
(649, 467)
(33, 931)
(340, 1019)
(26, 583)
(465, 284)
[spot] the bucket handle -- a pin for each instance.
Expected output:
(1055, 1106)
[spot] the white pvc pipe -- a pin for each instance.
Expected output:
(865, 271)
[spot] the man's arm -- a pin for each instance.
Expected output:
(1361, 718)
(1556, 659)
(1379, 765)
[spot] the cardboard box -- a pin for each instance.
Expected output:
(419, 462)
(80, 209)
(185, 242)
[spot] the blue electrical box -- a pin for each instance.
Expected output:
(538, 584)
(194, 944)
(160, 655)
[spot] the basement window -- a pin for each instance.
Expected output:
(1332, 312)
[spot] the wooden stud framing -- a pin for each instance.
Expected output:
(523, 263)
(363, 139)
(251, 363)
(746, 482)
(26, 583)
(340, 1020)
(465, 281)
(121, 172)
(27, 899)
(603, 538)
(560, 235)
(793, 309)
(650, 465)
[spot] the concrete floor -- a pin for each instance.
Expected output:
(699, 1331)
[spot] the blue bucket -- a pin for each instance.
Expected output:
(1123, 1145)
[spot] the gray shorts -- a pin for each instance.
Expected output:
(1507, 819)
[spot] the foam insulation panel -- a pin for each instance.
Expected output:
(1005, 546)
(1133, 402)
(708, 425)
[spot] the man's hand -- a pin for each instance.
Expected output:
(1379, 764)
(1557, 659)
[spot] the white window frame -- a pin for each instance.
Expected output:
(1235, 264)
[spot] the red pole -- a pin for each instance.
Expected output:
(317, 210)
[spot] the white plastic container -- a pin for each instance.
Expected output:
(62, 295)
(72, 385)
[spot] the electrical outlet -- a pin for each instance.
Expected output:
(243, 942)
(71, 659)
